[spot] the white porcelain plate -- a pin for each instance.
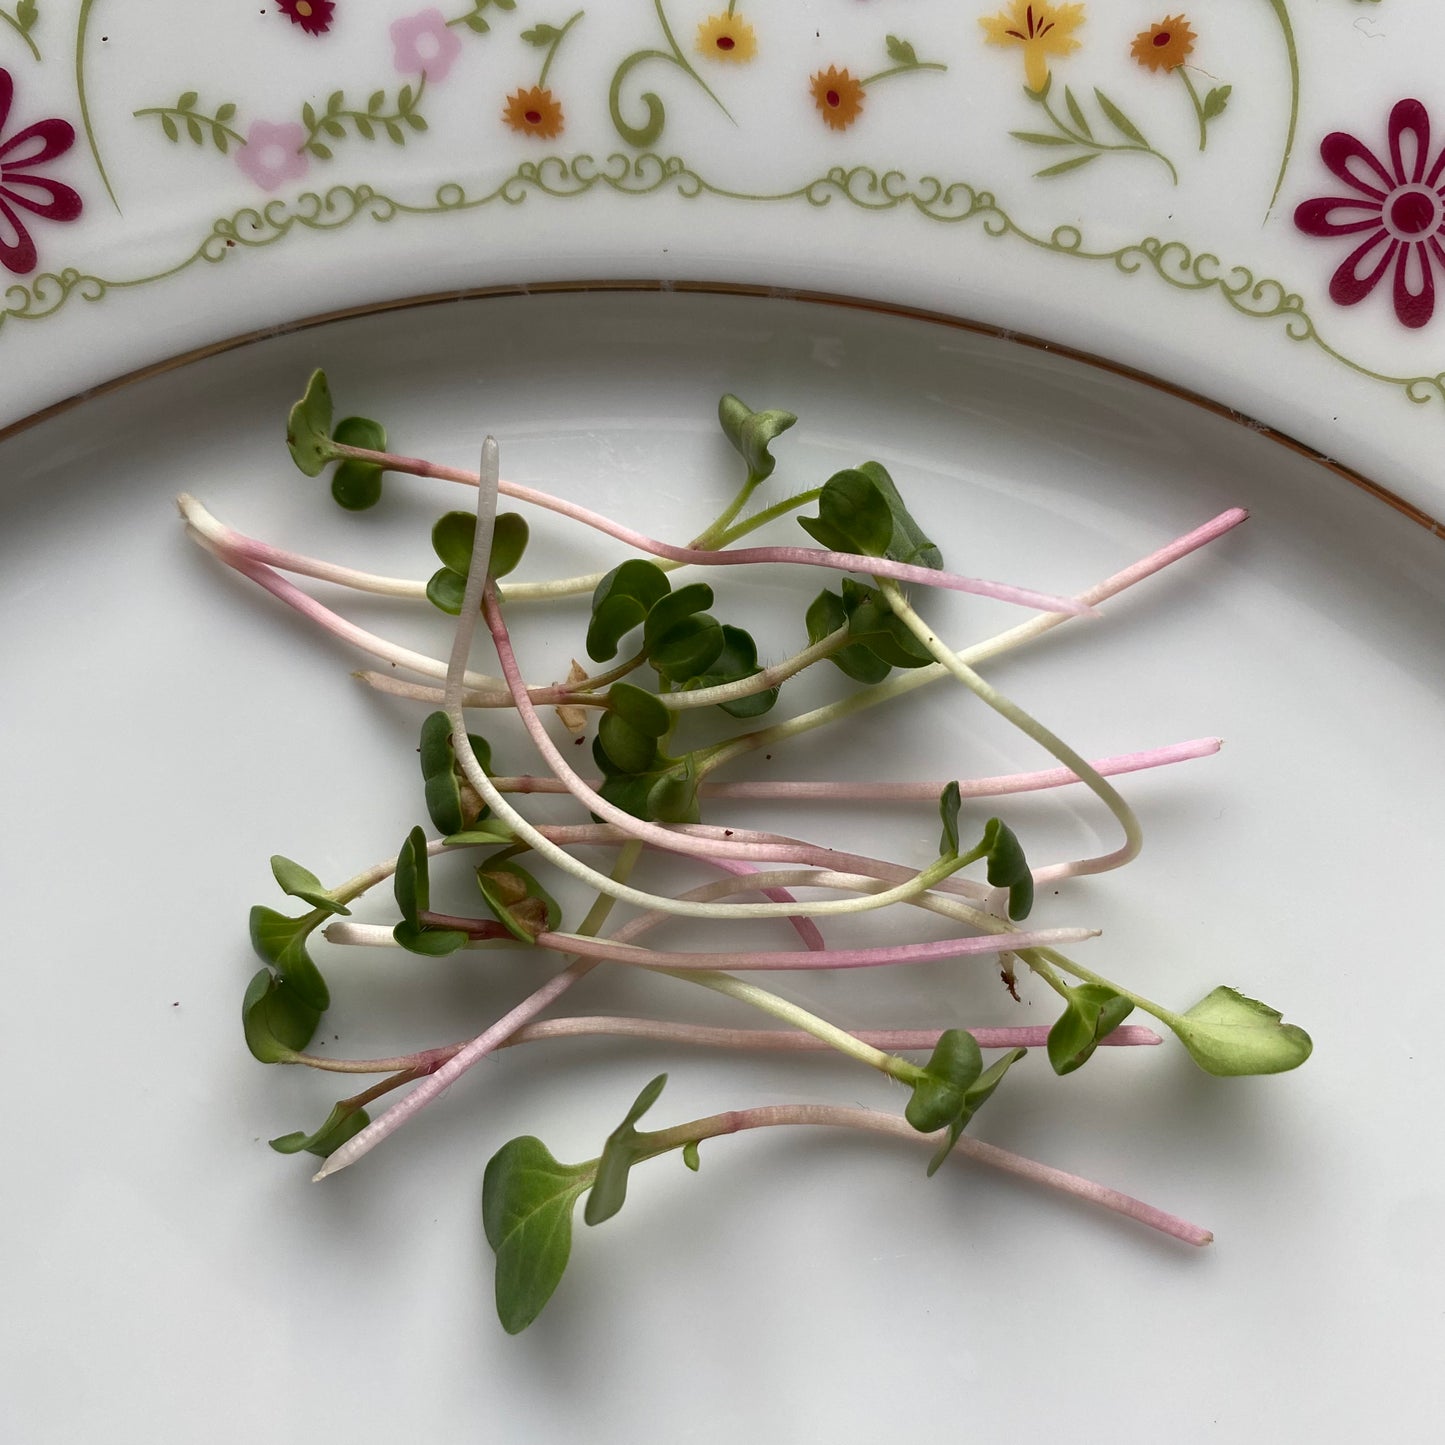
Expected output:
(1245, 200)
(168, 1278)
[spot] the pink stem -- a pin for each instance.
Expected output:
(449, 1072)
(828, 958)
(445, 1073)
(896, 1041)
(703, 557)
(805, 928)
(359, 637)
(975, 1149)
(994, 787)
(1170, 552)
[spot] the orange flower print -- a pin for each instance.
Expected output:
(534, 112)
(838, 96)
(727, 37)
(1165, 46)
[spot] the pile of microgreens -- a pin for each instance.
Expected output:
(678, 657)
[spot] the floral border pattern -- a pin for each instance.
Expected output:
(1173, 262)
(1403, 226)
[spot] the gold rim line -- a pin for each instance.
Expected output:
(726, 288)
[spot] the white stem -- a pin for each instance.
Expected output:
(1051, 742)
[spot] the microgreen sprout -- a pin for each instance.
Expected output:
(665, 658)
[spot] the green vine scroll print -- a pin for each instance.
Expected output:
(1281, 14)
(391, 118)
(82, 26)
(1172, 263)
(650, 130)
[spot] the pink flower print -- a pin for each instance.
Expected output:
(423, 44)
(1398, 209)
(272, 154)
(21, 189)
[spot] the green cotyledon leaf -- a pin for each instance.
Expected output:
(282, 941)
(278, 1022)
(620, 602)
(357, 484)
(450, 802)
(1229, 1034)
(1091, 1013)
(752, 433)
(308, 427)
(624, 1148)
(344, 1122)
(527, 1203)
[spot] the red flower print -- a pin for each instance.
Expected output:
(313, 16)
(21, 187)
(1398, 209)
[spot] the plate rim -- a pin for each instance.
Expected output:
(702, 287)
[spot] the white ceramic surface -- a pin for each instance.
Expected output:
(1151, 199)
(168, 1278)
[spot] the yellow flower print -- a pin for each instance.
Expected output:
(727, 37)
(1041, 28)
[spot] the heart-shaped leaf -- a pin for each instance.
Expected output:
(1008, 868)
(344, 1122)
(627, 749)
(939, 1095)
(308, 427)
(671, 611)
(356, 484)
(430, 942)
(641, 709)
(752, 433)
(1092, 1011)
(826, 614)
(453, 537)
(878, 628)
(909, 543)
(451, 804)
(853, 516)
(1229, 1034)
(518, 901)
(949, 804)
(860, 510)
(975, 1097)
(527, 1203)
(620, 602)
(688, 649)
(278, 1022)
(301, 883)
(737, 660)
(281, 941)
(411, 883)
(672, 798)
(624, 1148)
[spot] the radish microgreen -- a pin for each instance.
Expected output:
(653, 795)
